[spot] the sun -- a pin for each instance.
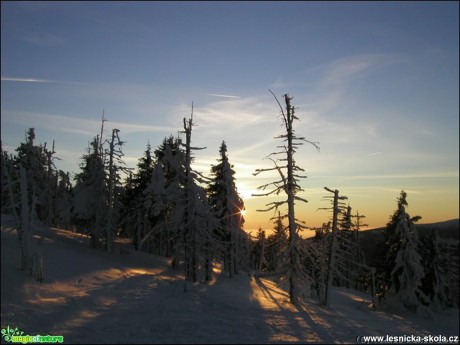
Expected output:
(243, 213)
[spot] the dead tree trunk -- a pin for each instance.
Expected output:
(333, 247)
(289, 184)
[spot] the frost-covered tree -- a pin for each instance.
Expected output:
(227, 206)
(50, 188)
(133, 199)
(114, 165)
(258, 262)
(276, 245)
(289, 184)
(358, 255)
(332, 270)
(346, 246)
(437, 263)
(89, 194)
(45, 184)
(154, 196)
(25, 237)
(98, 189)
(346, 220)
(63, 204)
(33, 159)
(193, 208)
(10, 196)
(405, 272)
(171, 156)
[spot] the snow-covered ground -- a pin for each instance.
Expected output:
(89, 296)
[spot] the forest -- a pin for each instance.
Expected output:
(164, 207)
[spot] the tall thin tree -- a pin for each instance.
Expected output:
(289, 184)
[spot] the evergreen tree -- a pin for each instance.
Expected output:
(10, 200)
(34, 160)
(154, 206)
(50, 189)
(63, 208)
(171, 157)
(436, 262)
(133, 199)
(346, 246)
(89, 194)
(276, 247)
(258, 262)
(43, 187)
(404, 272)
(227, 206)
(188, 229)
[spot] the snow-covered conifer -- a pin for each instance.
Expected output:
(34, 160)
(404, 262)
(171, 156)
(89, 194)
(436, 262)
(133, 199)
(227, 206)
(63, 204)
(10, 196)
(276, 247)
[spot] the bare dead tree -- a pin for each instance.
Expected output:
(333, 247)
(289, 184)
(358, 255)
(191, 211)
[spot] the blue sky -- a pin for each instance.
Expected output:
(375, 83)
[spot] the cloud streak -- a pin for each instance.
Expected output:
(28, 80)
(436, 175)
(220, 95)
(39, 80)
(76, 125)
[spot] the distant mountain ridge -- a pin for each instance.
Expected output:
(447, 229)
(372, 241)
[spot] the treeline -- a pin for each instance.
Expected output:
(167, 208)
(164, 206)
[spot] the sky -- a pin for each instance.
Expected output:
(376, 84)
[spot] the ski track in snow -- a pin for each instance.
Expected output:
(90, 296)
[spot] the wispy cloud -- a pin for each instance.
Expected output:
(374, 154)
(39, 80)
(335, 78)
(227, 115)
(344, 69)
(76, 125)
(436, 175)
(28, 80)
(220, 95)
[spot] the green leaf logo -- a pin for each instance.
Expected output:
(8, 333)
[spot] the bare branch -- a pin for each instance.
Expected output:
(329, 190)
(300, 199)
(282, 111)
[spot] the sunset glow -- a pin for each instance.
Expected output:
(376, 84)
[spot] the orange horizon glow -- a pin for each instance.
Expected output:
(377, 210)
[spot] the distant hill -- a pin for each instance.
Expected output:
(446, 229)
(372, 241)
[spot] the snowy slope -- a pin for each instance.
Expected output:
(89, 296)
